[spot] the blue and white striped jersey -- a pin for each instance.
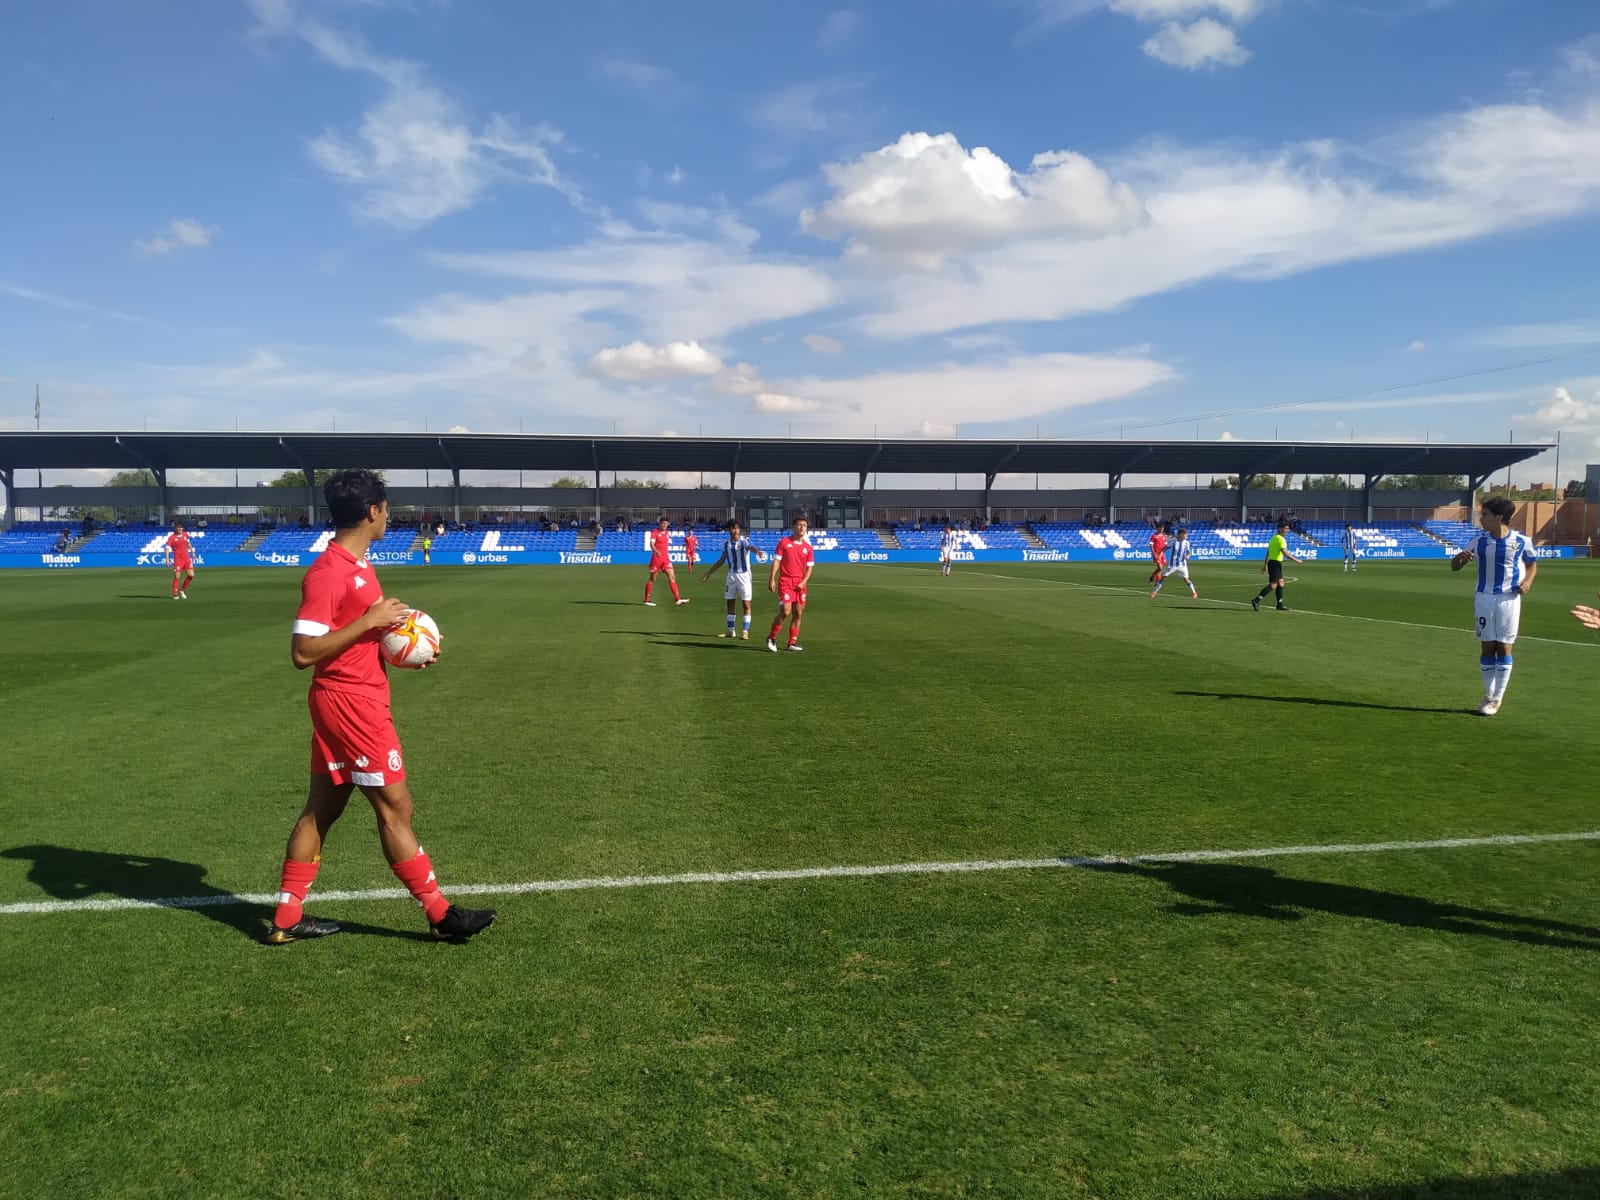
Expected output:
(1178, 552)
(1350, 542)
(737, 552)
(950, 539)
(1502, 562)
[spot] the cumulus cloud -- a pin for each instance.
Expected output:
(1572, 415)
(1202, 43)
(415, 157)
(640, 361)
(179, 234)
(741, 379)
(821, 343)
(1206, 213)
(1417, 347)
(925, 198)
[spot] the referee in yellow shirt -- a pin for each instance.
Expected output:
(1277, 551)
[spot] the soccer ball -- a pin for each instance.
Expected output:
(412, 643)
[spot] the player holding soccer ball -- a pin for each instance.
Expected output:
(342, 619)
(180, 557)
(661, 560)
(736, 552)
(792, 564)
(1506, 567)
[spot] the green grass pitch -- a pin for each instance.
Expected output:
(1347, 1026)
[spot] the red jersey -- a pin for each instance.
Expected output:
(661, 544)
(178, 546)
(794, 559)
(1158, 544)
(690, 542)
(338, 589)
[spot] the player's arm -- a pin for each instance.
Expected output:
(772, 576)
(1461, 559)
(810, 567)
(1527, 580)
(307, 650)
(712, 569)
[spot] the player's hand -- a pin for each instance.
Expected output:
(386, 613)
(1461, 559)
(1588, 616)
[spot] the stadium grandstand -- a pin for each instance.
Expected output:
(470, 521)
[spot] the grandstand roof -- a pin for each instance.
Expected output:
(534, 452)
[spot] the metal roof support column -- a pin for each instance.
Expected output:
(594, 458)
(1474, 482)
(733, 480)
(1113, 482)
(8, 517)
(161, 492)
(1367, 482)
(1244, 507)
(988, 485)
(455, 479)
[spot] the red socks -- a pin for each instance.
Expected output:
(673, 584)
(794, 630)
(174, 585)
(417, 875)
(297, 877)
(777, 628)
(648, 584)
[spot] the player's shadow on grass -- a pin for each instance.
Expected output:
(724, 644)
(130, 596)
(70, 874)
(1231, 889)
(1574, 1183)
(1323, 702)
(608, 603)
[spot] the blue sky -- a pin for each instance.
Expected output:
(1173, 218)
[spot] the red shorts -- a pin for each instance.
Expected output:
(1160, 560)
(658, 565)
(353, 739)
(182, 564)
(790, 592)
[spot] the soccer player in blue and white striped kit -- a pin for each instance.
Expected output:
(1506, 568)
(1178, 564)
(736, 552)
(1352, 547)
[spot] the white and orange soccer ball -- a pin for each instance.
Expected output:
(412, 643)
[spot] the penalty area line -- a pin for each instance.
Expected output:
(217, 899)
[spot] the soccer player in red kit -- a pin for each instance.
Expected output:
(180, 557)
(1158, 552)
(791, 570)
(343, 615)
(690, 545)
(661, 560)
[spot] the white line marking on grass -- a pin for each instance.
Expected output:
(118, 904)
(1304, 612)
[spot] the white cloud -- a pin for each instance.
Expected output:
(840, 29)
(1417, 347)
(821, 343)
(653, 82)
(1022, 386)
(676, 288)
(809, 109)
(925, 198)
(1571, 333)
(1170, 10)
(184, 232)
(639, 361)
(1202, 43)
(741, 379)
(1215, 213)
(55, 301)
(779, 404)
(415, 157)
(1574, 417)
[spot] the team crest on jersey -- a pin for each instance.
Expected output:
(361, 763)
(394, 760)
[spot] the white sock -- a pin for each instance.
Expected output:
(746, 622)
(730, 622)
(1502, 676)
(1487, 669)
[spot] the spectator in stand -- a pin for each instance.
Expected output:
(63, 540)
